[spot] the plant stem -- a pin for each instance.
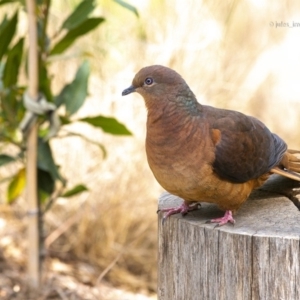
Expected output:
(31, 168)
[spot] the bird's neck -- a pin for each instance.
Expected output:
(175, 109)
(186, 102)
(171, 118)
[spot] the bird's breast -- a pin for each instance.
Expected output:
(179, 154)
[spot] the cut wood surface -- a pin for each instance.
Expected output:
(257, 258)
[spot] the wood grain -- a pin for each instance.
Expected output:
(258, 258)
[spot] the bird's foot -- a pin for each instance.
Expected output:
(184, 208)
(224, 220)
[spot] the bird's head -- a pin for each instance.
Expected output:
(156, 81)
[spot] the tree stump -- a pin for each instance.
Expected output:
(257, 258)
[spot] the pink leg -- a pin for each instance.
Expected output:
(184, 208)
(224, 220)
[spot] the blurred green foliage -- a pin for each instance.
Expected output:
(72, 96)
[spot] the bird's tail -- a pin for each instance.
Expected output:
(289, 165)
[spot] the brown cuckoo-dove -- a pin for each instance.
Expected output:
(203, 153)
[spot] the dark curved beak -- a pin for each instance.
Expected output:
(129, 90)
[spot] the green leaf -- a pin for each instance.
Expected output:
(3, 23)
(13, 62)
(64, 120)
(79, 15)
(46, 161)
(16, 186)
(46, 184)
(10, 1)
(74, 191)
(74, 33)
(127, 6)
(6, 159)
(43, 196)
(74, 94)
(12, 111)
(109, 125)
(45, 80)
(7, 33)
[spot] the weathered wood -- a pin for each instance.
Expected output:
(257, 258)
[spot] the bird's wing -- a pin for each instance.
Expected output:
(244, 148)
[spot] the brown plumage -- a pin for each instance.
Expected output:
(202, 153)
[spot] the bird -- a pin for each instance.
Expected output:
(203, 153)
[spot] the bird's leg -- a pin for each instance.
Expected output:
(224, 220)
(184, 208)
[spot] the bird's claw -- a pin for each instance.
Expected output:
(184, 208)
(224, 220)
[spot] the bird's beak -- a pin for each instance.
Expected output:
(129, 90)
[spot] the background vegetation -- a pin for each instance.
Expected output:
(233, 54)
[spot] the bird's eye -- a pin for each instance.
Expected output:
(148, 81)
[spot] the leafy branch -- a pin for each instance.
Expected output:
(72, 96)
